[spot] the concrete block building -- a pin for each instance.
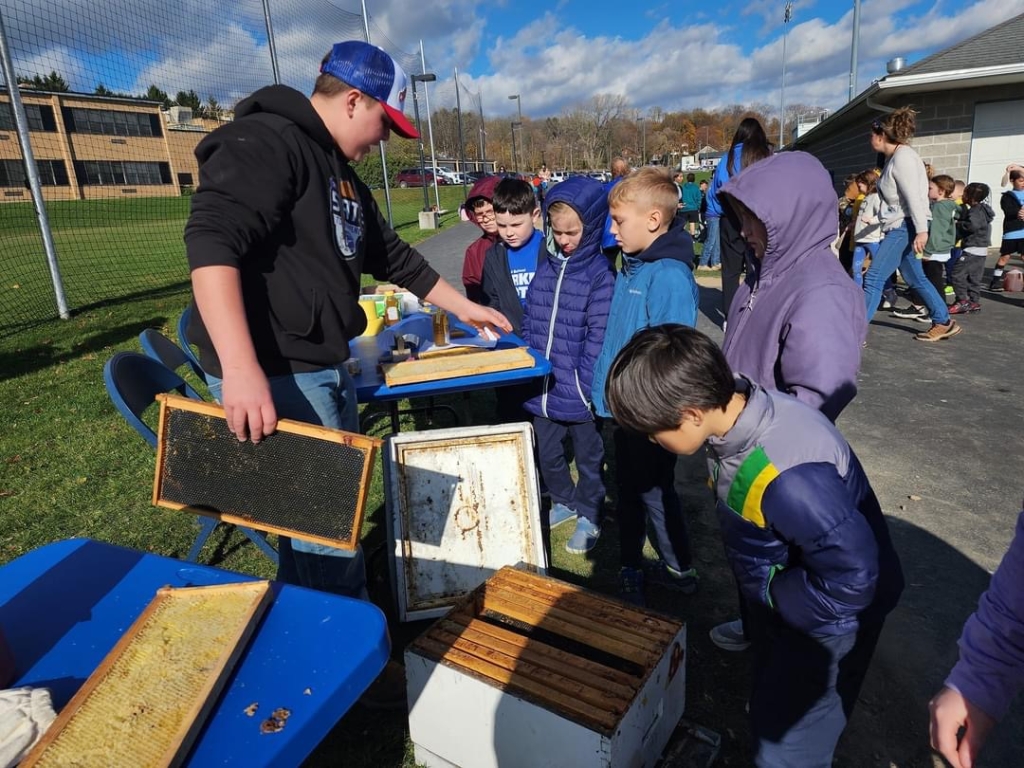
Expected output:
(970, 104)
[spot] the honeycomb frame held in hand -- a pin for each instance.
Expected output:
(304, 481)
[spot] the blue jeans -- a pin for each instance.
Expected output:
(712, 255)
(897, 251)
(860, 253)
(326, 397)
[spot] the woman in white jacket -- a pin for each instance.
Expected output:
(903, 189)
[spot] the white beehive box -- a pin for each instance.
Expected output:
(461, 503)
(530, 672)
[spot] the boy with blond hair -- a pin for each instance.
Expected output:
(655, 286)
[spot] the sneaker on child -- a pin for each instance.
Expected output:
(584, 538)
(960, 308)
(665, 575)
(997, 283)
(730, 636)
(909, 313)
(560, 514)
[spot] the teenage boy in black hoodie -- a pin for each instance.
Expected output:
(280, 232)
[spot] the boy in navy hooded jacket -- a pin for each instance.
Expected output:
(566, 314)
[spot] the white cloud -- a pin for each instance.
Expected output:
(710, 60)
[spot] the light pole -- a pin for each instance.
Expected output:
(426, 77)
(785, 35)
(643, 145)
(853, 49)
(519, 109)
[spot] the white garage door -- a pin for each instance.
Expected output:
(996, 142)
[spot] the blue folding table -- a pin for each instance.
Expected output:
(370, 386)
(64, 606)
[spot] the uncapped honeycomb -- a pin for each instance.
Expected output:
(146, 698)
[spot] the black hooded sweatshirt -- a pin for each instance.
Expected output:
(278, 201)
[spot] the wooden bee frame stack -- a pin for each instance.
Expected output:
(532, 671)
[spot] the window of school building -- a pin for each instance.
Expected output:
(110, 122)
(101, 172)
(40, 117)
(52, 173)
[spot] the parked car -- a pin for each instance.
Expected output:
(452, 177)
(557, 176)
(472, 177)
(414, 177)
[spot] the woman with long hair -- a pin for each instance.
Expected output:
(903, 189)
(749, 144)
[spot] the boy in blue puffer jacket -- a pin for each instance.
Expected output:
(655, 286)
(802, 528)
(565, 317)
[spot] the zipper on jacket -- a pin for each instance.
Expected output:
(551, 336)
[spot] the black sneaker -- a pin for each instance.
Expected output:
(996, 286)
(909, 313)
(663, 574)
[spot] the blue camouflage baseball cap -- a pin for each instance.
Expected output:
(371, 70)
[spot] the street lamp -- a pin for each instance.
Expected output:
(519, 109)
(643, 147)
(426, 77)
(785, 35)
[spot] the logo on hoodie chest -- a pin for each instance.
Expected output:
(347, 216)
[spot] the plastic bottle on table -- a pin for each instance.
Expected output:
(392, 313)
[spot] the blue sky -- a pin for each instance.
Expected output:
(557, 55)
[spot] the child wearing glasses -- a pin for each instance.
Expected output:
(480, 211)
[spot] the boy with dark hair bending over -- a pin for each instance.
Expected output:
(655, 286)
(802, 528)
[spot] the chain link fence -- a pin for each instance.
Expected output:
(115, 96)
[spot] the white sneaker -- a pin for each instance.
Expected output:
(729, 636)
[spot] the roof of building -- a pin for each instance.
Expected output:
(992, 47)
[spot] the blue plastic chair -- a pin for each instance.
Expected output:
(186, 347)
(133, 381)
(159, 347)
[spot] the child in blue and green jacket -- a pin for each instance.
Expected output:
(802, 527)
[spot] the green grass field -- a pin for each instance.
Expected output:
(112, 249)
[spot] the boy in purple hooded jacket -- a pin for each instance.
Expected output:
(797, 322)
(566, 314)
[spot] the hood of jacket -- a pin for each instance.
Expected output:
(985, 210)
(676, 244)
(790, 192)
(587, 197)
(292, 104)
(483, 188)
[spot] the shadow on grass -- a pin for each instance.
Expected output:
(9, 330)
(20, 362)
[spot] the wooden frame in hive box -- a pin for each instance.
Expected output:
(529, 671)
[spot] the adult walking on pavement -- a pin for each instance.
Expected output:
(749, 144)
(903, 189)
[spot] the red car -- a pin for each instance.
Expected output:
(414, 177)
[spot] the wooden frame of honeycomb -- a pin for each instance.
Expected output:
(147, 700)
